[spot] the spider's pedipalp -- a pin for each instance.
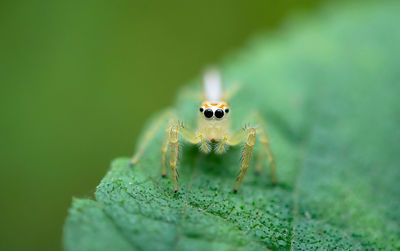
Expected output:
(204, 145)
(222, 146)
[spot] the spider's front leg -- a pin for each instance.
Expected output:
(249, 135)
(171, 141)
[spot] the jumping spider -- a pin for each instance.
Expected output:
(214, 117)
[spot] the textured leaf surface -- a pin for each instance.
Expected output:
(329, 88)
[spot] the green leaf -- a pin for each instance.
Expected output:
(329, 88)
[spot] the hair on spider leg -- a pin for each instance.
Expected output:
(208, 146)
(225, 147)
(250, 125)
(241, 152)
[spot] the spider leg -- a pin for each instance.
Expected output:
(264, 139)
(174, 154)
(149, 135)
(265, 142)
(260, 160)
(171, 140)
(164, 149)
(195, 137)
(249, 135)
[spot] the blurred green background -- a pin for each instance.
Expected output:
(79, 79)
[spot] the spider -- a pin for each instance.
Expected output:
(213, 126)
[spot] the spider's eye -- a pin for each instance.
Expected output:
(208, 113)
(201, 109)
(219, 113)
(226, 110)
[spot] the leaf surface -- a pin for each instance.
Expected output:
(328, 86)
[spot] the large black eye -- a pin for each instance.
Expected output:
(226, 110)
(219, 113)
(201, 109)
(208, 113)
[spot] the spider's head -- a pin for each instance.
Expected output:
(214, 111)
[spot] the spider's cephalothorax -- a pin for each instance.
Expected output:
(214, 120)
(213, 127)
